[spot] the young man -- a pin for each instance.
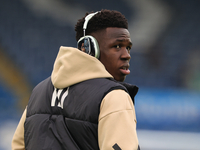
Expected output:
(81, 106)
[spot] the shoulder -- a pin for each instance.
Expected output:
(43, 85)
(116, 101)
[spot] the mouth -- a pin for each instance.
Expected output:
(125, 70)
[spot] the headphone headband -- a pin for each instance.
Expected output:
(87, 19)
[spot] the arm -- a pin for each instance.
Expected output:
(117, 122)
(18, 138)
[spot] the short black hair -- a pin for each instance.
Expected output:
(103, 19)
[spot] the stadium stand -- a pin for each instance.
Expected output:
(32, 42)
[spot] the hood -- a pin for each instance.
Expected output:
(73, 66)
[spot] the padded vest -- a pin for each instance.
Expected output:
(66, 119)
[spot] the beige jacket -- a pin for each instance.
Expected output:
(116, 106)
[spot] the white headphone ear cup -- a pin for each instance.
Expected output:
(83, 44)
(94, 46)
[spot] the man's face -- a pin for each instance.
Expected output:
(115, 45)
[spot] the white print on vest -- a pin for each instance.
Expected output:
(57, 95)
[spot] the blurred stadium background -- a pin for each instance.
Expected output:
(165, 62)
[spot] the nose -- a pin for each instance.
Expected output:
(125, 54)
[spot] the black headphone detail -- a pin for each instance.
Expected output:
(87, 43)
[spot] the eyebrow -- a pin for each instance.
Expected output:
(122, 40)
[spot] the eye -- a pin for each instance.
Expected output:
(117, 46)
(128, 48)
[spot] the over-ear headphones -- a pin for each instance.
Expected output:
(87, 43)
